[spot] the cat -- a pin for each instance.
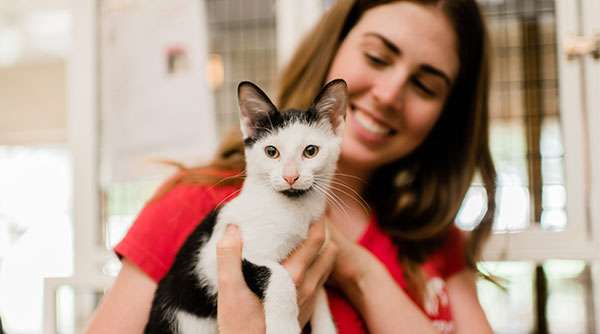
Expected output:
(290, 159)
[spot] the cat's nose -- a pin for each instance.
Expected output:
(290, 179)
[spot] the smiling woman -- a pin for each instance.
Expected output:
(416, 135)
(399, 78)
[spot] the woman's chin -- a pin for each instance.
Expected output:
(355, 156)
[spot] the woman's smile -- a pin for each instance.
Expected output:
(367, 126)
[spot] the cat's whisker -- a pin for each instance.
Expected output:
(336, 185)
(269, 186)
(229, 196)
(329, 179)
(241, 174)
(334, 195)
(327, 189)
(347, 175)
(364, 205)
(332, 200)
(353, 195)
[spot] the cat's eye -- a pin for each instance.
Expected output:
(310, 151)
(272, 152)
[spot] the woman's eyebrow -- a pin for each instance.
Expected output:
(391, 46)
(396, 50)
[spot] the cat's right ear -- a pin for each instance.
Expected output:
(254, 105)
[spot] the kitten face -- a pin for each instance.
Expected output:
(305, 158)
(293, 152)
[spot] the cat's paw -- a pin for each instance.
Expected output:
(322, 321)
(323, 327)
(279, 326)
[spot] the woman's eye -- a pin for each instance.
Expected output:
(272, 152)
(310, 151)
(374, 60)
(423, 88)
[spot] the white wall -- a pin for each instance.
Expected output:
(33, 103)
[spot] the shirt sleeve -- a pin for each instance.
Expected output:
(162, 227)
(453, 251)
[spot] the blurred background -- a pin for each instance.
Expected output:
(94, 93)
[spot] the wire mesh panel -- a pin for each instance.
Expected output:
(525, 128)
(242, 36)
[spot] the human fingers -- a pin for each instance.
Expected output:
(238, 309)
(229, 259)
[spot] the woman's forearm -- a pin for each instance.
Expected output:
(384, 305)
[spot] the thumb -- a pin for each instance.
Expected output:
(238, 309)
(229, 258)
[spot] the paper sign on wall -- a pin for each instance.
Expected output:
(155, 99)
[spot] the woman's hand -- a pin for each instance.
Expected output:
(352, 262)
(309, 266)
(238, 309)
(368, 285)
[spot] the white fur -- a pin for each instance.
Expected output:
(190, 324)
(272, 225)
(321, 321)
(281, 308)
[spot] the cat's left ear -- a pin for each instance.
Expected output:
(331, 104)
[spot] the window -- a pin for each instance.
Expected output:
(36, 235)
(540, 137)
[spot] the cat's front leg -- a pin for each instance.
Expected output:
(321, 321)
(281, 307)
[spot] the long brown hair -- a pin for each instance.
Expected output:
(416, 198)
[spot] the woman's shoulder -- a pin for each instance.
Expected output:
(167, 219)
(187, 197)
(208, 187)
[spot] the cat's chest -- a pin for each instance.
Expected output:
(269, 231)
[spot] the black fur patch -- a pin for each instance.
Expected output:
(276, 120)
(179, 288)
(257, 277)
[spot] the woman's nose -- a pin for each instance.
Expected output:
(389, 94)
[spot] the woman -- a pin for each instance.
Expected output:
(416, 134)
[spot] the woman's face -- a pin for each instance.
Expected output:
(399, 61)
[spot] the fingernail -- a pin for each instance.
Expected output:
(231, 229)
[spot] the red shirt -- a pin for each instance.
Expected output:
(163, 225)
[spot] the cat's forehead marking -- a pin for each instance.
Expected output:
(275, 121)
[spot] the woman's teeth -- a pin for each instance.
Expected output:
(370, 125)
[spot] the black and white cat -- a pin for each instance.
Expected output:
(290, 159)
